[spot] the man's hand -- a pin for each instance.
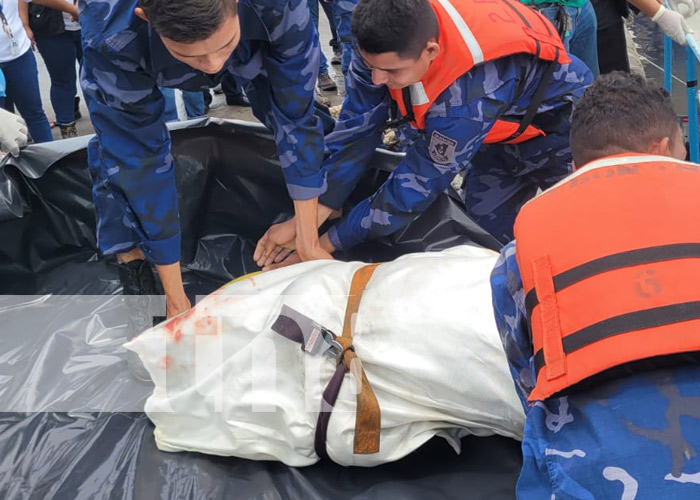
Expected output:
(30, 35)
(281, 239)
(322, 251)
(76, 17)
(276, 244)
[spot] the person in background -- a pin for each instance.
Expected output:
(18, 64)
(325, 80)
(576, 22)
(56, 33)
(334, 42)
(612, 44)
(598, 310)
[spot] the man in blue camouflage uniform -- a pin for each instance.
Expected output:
(634, 437)
(498, 178)
(132, 47)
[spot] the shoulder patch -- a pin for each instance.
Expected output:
(442, 148)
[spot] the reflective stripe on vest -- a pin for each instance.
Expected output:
(610, 262)
(472, 32)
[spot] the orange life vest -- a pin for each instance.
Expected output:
(610, 263)
(473, 32)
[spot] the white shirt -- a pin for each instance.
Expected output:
(70, 24)
(10, 9)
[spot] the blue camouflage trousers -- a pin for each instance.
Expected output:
(503, 177)
(636, 438)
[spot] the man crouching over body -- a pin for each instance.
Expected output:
(598, 307)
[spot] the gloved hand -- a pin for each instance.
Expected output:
(13, 132)
(672, 23)
(685, 7)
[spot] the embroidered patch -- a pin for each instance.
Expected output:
(442, 148)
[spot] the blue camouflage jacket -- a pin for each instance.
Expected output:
(633, 438)
(464, 113)
(125, 62)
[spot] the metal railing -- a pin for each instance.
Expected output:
(691, 81)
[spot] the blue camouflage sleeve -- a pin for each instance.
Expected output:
(292, 69)
(356, 134)
(130, 158)
(511, 320)
(456, 126)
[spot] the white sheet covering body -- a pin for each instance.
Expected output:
(226, 384)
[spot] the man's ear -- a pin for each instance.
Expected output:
(433, 49)
(140, 13)
(661, 147)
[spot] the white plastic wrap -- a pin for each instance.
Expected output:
(226, 384)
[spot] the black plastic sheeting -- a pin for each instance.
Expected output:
(73, 426)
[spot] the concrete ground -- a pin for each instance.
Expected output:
(218, 109)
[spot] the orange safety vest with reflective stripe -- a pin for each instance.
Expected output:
(610, 263)
(473, 32)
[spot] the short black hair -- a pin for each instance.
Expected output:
(620, 112)
(401, 26)
(187, 21)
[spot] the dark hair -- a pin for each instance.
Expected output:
(401, 26)
(187, 21)
(620, 112)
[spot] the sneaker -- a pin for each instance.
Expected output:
(68, 131)
(337, 58)
(325, 82)
(237, 100)
(137, 278)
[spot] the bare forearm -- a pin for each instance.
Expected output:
(306, 214)
(171, 278)
(23, 9)
(646, 7)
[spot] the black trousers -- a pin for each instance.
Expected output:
(612, 45)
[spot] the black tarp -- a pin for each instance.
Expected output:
(72, 425)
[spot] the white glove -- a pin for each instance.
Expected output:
(13, 132)
(673, 24)
(685, 7)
